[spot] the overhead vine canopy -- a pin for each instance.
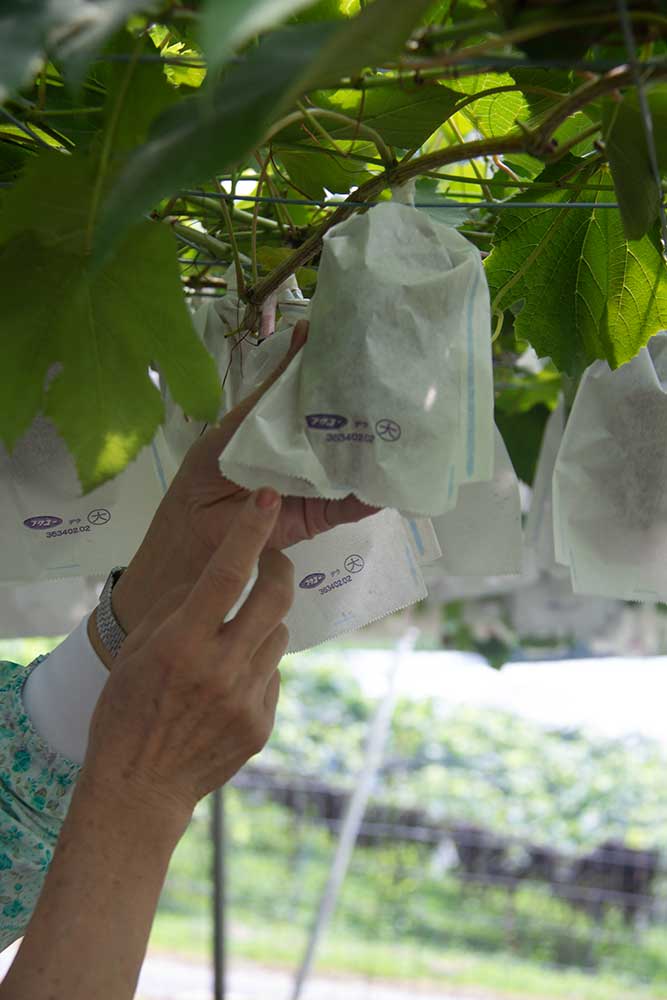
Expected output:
(146, 148)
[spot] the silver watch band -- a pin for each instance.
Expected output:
(111, 632)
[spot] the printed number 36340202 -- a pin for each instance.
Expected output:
(351, 436)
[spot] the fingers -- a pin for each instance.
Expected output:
(223, 579)
(169, 603)
(271, 696)
(267, 658)
(346, 511)
(269, 601)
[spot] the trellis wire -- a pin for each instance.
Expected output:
(328, 203)
(474, 64)
(647, 119)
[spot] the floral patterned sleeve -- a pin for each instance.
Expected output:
(36, 784)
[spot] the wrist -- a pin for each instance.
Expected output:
(132, 812)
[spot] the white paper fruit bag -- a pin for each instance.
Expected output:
(481, 536)
(610, 480)
(391, 398)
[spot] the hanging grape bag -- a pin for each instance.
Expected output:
(391, 399)
(610, 480)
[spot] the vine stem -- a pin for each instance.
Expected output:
(237, 213)
(367, 192)
(537, 142)
(220, 250)
(484, 181)
(240, 279)
(362, 129)
(255, 214)
(528, 32)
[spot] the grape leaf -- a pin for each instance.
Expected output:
(313, 170)
(587, 293)
(205, 134)
(137, 92)
(625, 139)
(226, 26)
(369, 39)
(495, 114)
(173, 47)
(100, 328)
(13, 157)
(403, 117)
(522, 391)
(75, 31)
(215, 130)
(522, 432)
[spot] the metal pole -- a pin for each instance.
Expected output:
(218, 838)
(356, 807)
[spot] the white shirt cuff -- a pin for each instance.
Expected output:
(61, 693)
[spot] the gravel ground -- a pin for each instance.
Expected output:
(165, 978)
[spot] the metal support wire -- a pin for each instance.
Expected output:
(645, 110)
(219, 914)
(328, 203)
(462, 68)
(378, 734)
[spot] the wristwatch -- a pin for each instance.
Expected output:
(111, 632)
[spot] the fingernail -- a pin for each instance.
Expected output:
(267, 499)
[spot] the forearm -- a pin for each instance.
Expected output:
(88, 934)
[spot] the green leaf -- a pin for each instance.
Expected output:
(28, 27)
(375, 35)
(569, 43)
(403, 116)
(227, 26)
(214, 131)
(521, 392)
(428, 191)
(326, 10)
(170, 47)
(495, 114)
(637, 192)
(270, 257)
(13, 158)
(311, 171)
(208, 133)
(137, 93)
(20, 135)
(587, 293)
(522, 433)
(43, 200)
(101, 328)
(77, 119)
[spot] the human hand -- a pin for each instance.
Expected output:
(210, 499)
(199, 508)
(190, 699)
